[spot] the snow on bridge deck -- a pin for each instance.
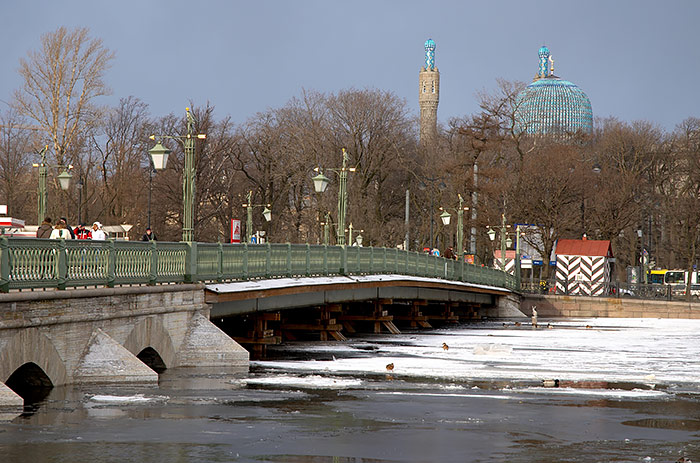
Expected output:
(280, 293)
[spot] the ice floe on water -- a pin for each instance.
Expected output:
(609, 393)
(130, 399)
(310, 381)
(644, 352)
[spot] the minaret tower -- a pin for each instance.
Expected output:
(429, 94)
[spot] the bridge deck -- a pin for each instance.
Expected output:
(266, 295)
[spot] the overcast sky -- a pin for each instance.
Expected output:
(635, 59)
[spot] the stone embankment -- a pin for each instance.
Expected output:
(590, 307)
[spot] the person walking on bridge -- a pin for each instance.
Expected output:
(149, 235)
(97, 233)
(45, 228)
(60, 232)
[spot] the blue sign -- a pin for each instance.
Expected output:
(536, 262)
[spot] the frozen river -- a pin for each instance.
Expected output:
(629, 391)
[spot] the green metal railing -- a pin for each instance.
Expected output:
(31, 263)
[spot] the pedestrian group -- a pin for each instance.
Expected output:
(64, 231)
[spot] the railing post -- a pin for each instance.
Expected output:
(62, 264)
(191, 262)
(153, 273)
(371, 260)
(220, 263)
(343, 260)
(308, 260)
(111, 264)
(325, 259)
(384, 266)
(289, 260)
(396, 261)
(4, 265)
(268, 259)
(245, 261)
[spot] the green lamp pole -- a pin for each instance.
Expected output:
(445, 217)
(460, 230)
(43, 171)
(321, 183)
(188, 177)
(342, 200)
(327, 229)
(503, 242)
(267, 213)
(63, 180)
(159, 155)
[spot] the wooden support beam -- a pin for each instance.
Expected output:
(391, 327)
(310, 327)
(268, 340)
(366, 318)
(337, 335)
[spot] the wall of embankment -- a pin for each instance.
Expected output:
(590, 307)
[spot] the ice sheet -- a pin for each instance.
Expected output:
(646, 351)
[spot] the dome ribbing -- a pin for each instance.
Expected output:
(551, 105)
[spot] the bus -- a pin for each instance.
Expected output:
(678, 279)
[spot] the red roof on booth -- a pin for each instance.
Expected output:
(584, 248)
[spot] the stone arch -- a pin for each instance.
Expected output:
(32, 346)
(150, 332)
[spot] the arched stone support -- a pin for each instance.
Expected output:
(150, 332)
(31, 345)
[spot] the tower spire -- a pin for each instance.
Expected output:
(430, 54)
(545, 65)
(428, 95)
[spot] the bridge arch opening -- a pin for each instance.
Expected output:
(30, 382)
(152, 359)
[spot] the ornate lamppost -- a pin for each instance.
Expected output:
(267, 213)
(63, 180)
(321, 183)
(159, 156)
(445, 217)
(441, 186)
(505, 239)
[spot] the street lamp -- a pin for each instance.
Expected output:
(326, 228)
(321, 183)
(445, 217)
(505, 240)
(63, 180)
(159, 156)
(423, 186)
(350, 230)
(267, 214)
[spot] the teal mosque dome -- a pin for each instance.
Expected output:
(551, 105)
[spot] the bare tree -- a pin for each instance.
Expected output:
(61, 82)
(17, 143)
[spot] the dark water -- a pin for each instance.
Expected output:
(198, 416)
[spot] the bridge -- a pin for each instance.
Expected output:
(89, 312)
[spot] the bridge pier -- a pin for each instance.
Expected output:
(100, 335)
